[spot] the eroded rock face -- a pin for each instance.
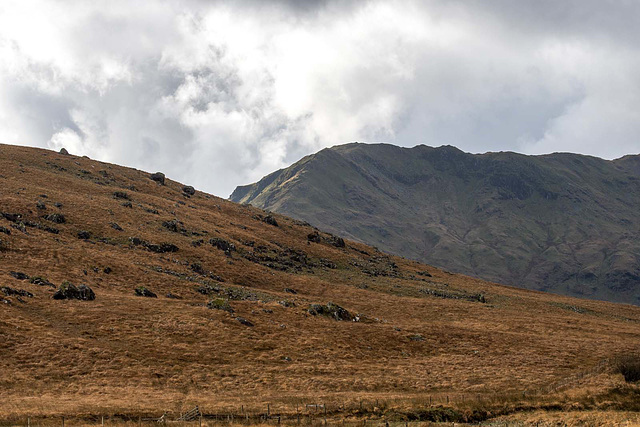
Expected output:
(70, 291)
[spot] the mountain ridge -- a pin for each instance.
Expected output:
(448, 208)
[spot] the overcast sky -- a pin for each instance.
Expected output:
(220, 93)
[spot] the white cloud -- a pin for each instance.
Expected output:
(218, 94)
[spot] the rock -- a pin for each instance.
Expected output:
(18, 292)
(314, 237)
(173, 296)
(121, 195)
(141, 291)
(220, 304)
(222, 244)
(127, 204)
(41, 281)
(157, 177)
(244, 321)
(58, 205)
(189, 190)
(269, 219)
(416, 337)
(107, 270)
(330, 310)
(116, 226)
(162, 248)
(290, 291)
(69, 291)
(136, 241)
(5, 230)
(40, 205)
(11, 217)
(56, 217)
(84, 235)
(174, 225)
(287, 303)
(336, 241)
(18, 275)
(197, 268)
(64, 151)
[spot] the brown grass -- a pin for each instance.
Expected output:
(123, 354)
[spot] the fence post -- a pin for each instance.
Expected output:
(268, 410)
(62, 421)
(447, 399)
(103, 421)
(28, 421)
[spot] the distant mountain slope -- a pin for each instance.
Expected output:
(564, 223)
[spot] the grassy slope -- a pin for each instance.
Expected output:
(562, 223)
(127, 354)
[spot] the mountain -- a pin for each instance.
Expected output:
(563, 223)
(128, 295)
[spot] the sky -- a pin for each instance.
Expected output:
(217, 94)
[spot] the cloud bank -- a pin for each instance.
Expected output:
(219, 93)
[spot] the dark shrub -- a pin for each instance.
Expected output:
(629, 366)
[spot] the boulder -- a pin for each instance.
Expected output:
(197, 268)
(56, 217)
(69, 291)
(336, 241)
(141, 291)
(162, 248)
(157, 177)
(12, 217)
(173, 296)
(115, 226)
(269, 219)
(220, 304)
(244, 321)
(18, 275)
(84, 235)
(330, 310)
(5, 230)
(64, 151)
(314, 237)
(174, 225)
(41, 281)
(17, 292)
(121, 195)
(222, 244)
(189, 190)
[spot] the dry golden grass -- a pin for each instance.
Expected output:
(123, 354)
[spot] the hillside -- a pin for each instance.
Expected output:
(252, 309)
(563, 223)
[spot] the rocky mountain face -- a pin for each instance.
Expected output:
(562, 223)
